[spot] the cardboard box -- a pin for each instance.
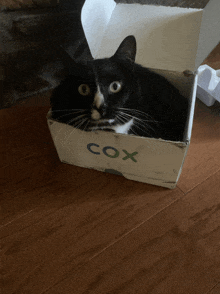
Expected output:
(170, 40)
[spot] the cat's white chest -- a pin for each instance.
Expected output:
(123, 129)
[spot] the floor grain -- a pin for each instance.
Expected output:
(215, 290)
(66, 229)
(203, 158)
(62, 228)
(176, 250)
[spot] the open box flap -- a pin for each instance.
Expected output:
(170, 38)
(189, 123)
(95, 16)
(209, 35)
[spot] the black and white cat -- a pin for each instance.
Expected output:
(116, 94)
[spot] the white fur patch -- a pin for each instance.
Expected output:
(123, 129)
(99, 98)
(95, 114)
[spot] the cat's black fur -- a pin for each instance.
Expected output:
(157, 108)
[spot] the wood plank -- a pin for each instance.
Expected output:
(22, 141)
(213, 59)
(72, 222)
(38, 180)
(28, 112)
(215, 290)
(176, 251)
(203, 158)
(206, 127)
(24, 132)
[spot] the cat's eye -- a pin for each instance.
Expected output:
(84, 90)
(115, 87)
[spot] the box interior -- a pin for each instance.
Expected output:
(187, 85)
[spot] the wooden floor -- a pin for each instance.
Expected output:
(69, 230)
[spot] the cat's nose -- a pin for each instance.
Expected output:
(98, 113)
(102, 111)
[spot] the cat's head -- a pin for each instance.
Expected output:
(93, 95)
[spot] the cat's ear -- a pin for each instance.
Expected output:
(80, 68)
(127, 49)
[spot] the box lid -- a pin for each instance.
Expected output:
(171, 38)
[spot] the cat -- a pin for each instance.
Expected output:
(118, 95)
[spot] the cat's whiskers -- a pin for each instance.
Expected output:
(139, 125)
(139, 112)
(134, 131)
(66, 110)
(135, 117)
(76, 118)
(86, 124)
(68, 122)
(77, 126)
(120, 119)
(134, 110)
(139, 121)
(142, 122)
(71, 113)
(145, 129)
(98, 125)
(123, 114)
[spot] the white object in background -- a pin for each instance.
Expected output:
(208, 89)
